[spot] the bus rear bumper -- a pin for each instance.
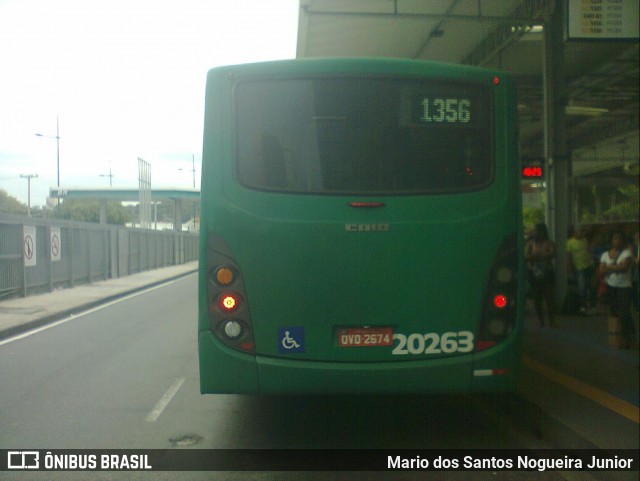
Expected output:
(223, 370)
(287, 376)
(277, 376)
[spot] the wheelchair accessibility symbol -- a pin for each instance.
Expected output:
(290, 339)
(289, 342)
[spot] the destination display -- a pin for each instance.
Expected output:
(445, 110)
(453, 106)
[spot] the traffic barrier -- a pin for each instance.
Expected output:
(42, 255)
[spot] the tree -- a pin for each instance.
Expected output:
(628, 209)
(532, 216)
(11, 205)
(89, 211)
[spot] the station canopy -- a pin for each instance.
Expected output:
(602, 79)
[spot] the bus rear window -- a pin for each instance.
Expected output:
(363, 136)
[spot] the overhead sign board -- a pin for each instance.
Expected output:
(602, 19)
(57, 192)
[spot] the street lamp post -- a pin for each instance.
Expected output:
(193, 171)
(110, 175)
(57, 137)
(28, 177)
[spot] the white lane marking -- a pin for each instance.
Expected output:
(164, 401)
(84, 313)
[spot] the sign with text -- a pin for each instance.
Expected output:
(602, 20)
(319, 460)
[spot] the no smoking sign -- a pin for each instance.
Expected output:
(29, 245)
(55, 244)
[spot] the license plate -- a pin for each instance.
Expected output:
(365, 337)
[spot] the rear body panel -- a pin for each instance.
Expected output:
(325, 282)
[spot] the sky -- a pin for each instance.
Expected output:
(125, 79)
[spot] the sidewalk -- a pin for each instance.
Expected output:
(578, 346)
(25, 313)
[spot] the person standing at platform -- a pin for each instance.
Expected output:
(539, 253)
(615, 265)
(584, 268)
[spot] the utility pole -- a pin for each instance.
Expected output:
(110, 175)
(28, 177)
(57, 137)
(193, 169)
(193, 172)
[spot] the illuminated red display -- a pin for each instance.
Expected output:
(532, 172)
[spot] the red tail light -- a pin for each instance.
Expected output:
(500, 301)
(229, 302)
(500, 308)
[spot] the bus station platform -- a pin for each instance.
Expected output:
(588, 390)
(581, 345)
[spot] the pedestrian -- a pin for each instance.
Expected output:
(584, 269)
(615, 265)
(539, 253)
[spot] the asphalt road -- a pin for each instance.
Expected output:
(125, 375)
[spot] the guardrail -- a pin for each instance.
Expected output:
(38, 255)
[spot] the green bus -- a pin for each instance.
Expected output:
(361, 229)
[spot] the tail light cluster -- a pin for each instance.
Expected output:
(499, 310)
(228, 310)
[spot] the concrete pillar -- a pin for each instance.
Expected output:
(557, 158)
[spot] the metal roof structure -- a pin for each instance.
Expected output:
(601, 77)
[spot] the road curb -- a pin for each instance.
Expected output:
(36, 323)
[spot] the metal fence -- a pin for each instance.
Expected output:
(38, 255)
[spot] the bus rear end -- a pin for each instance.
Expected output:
(360, 229)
